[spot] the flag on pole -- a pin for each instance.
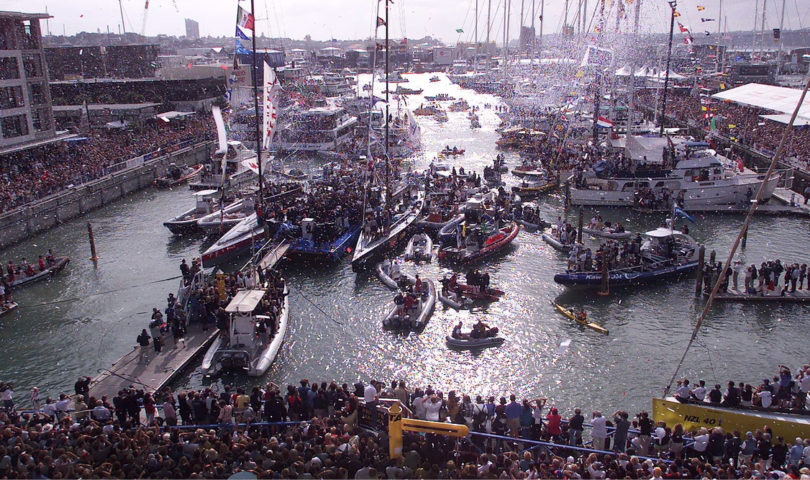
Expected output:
(676, 14)
(704, 20)
(459, 30)
(701, 8)
(269, 108)
(683, 29)
(244, 18)
(677, 211)
(380, 22)
(240, 34)
(603, 122)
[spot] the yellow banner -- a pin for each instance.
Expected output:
(693, 417)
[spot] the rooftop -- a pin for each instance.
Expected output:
(24, 16)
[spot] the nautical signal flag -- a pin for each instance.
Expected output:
(704, 20)
(380, 22)
(459, 30)
(676, 14)
(245, 19)
(683, 29)
(701, 8)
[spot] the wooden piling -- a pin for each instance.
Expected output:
(701, 261)
(579, 225)
(744, 238)
(92, 239)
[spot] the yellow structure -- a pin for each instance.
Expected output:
(397, 424)
(694, 416)
(395, 430)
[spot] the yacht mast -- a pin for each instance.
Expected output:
(385, 151)
(631, 108)
(255, 72)
(672, 4)
(475, 60)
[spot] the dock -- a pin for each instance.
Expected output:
(736, 295)
(792, 199)
(156, 370)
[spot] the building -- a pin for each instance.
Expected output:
(26, 115)
(102, 61)
(192, 29)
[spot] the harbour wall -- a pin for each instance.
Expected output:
(131, 176)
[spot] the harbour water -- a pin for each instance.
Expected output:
(89, 315)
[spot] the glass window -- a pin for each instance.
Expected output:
(11, 97)
(14, 126)
(9, 69)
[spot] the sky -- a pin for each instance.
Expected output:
(353, 19)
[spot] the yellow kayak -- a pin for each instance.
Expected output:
(570, 314)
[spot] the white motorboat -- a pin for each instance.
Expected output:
(698, 181)
(395, 279)
(186, 222)
(223, 220)
(236, 241)
(418, 316)
(247, 346)
(453, 300)
(420, 247)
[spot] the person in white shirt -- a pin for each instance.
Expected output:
(432, 407)
(419, 407)
(598, 431)
(683, 393)
(62, 406)
(699, 392)
(370, 394)
(765, 398)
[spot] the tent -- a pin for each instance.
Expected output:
(768, 97)
(784, 118)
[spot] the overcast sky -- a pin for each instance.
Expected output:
(349, 19)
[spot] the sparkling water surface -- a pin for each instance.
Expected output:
(88, 316)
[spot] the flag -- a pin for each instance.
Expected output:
(701, 8)
(676, 14)
(687, 40)
(244, 18)
(240, 34)
(777, 34)
(380, 47)
(269, 108)
(603, 122)
(708, 33)
(683, 29)
(240, 49)
(678, 211)
(380, 22)
(706, 19)
(459, 30)
(221, 136)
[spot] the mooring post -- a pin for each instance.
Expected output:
(92, 238)
(701, 261)
(604, 290)
(579, 225)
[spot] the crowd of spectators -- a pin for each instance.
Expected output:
(313, 430)
(740, 124)
(34, 173)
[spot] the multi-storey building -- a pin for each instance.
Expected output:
(26, 114)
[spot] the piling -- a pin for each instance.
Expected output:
(701, 261)
(566, 200)
(712, 257)
(579, 225)
(92, 239)
(744, 238)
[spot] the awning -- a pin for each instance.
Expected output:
(768, 97)
(784, 118)
(167, 116)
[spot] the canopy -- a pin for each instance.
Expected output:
(769, 97)
(785, 119)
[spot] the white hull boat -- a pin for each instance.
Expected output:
(418, 318)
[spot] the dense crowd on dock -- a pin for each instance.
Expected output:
(742, 125)
(35, 173)
(214, 434)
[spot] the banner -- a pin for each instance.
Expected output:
(269, 110)
(221, 137)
